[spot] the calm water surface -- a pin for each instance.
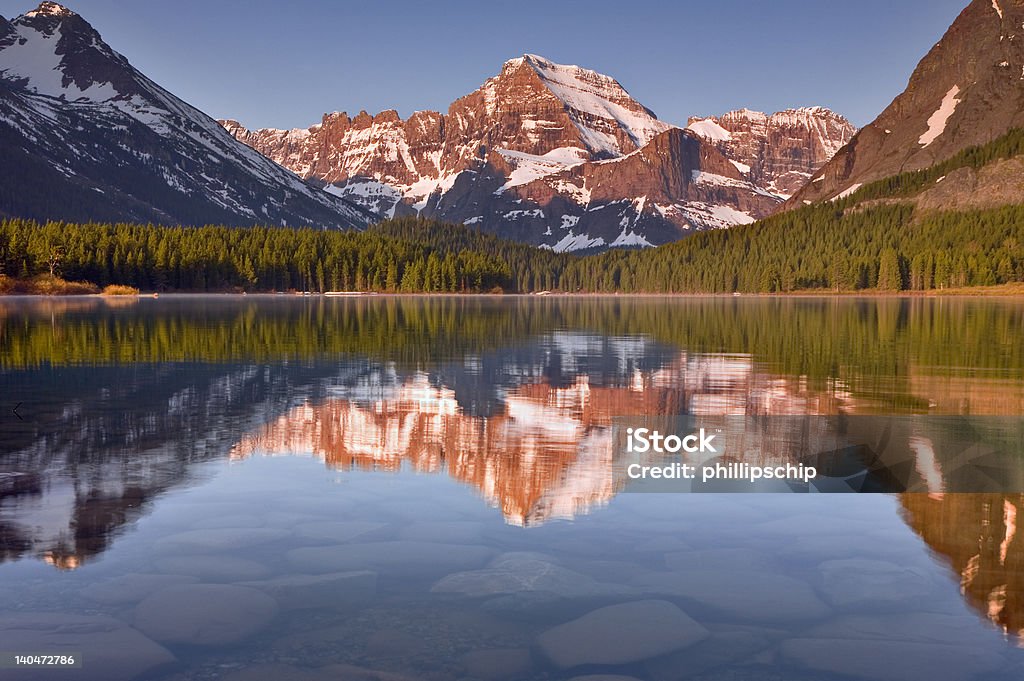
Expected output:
(258, 488)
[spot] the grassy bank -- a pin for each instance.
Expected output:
(45, 285)
(120, 290)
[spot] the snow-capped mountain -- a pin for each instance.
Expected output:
(558, 156)
(967, 91)
(780, 151)
(85, 136)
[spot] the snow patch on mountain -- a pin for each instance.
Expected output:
(710, 129)
(848, 192)
(375, 196)
(939, 119)
(530, 167)
(575, 242)
(717, 216)
(598, 95)
(742, 167)
(33, 57)
(630, 239)
(569, 221)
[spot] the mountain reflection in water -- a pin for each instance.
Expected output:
(514, 399)
(547, 452)
(977, 535)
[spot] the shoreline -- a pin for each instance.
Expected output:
(1007, 291)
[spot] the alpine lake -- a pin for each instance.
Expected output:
(376, 488)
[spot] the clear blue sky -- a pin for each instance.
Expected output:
(284, 64)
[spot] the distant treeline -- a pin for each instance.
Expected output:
(825, 247)
(158, 258)
(822, 247)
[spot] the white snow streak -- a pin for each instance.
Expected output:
(848, 192)
(710, 130)
(938, 120)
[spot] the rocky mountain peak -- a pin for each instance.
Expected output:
(50, 9)
(51, 17)
(55, 52)
(965, 92)
(107, 143)
(551, 154)
(780, 151)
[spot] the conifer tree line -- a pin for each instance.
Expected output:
(822, 247)
(913, 182)
(248, 259)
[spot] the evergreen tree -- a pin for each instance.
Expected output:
(889, 276)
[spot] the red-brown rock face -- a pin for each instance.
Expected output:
(967, 91)
(779, 152)
(553, 155)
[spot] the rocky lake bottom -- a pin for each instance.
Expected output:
(275, 568)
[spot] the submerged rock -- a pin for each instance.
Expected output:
(274, 672)
(498, 664)
(205, 614)
(220, 539)
(858, 582)
(392, 556)
(297, 592)
(514, 573)
(746, 596)
(726, 645)
(453, 531)
(899, 646)
(337, 672)
(890, 660)
(921, 627)
(336, 532)
(132, 588)
(621, 634)
(110, 649)
(348, 672)
(213, 568)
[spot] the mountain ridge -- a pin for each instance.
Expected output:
(967, 91)
(779, 151)
(95, 139)
(529, 156)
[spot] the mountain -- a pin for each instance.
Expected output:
(553, 155)
(968, 91)
(779, 152)
(85, 136)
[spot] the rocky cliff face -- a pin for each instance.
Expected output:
(967, 91)
(558, 156)
(85, 136)
(781, 151)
